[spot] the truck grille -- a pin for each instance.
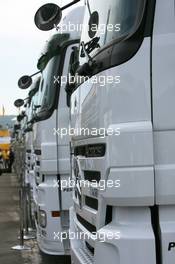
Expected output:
(93, 150)
(91, 202)
(91, 228)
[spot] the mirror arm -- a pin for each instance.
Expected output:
(70, 4)
(35, 73)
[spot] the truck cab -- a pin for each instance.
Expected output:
(123, 164)
(30, 117)
(51, 149)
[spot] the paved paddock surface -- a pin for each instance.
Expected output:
(9, 229)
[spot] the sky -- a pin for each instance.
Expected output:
(21, 44)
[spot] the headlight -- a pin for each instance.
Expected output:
(42, 218)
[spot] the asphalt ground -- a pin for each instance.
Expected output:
(9, 229)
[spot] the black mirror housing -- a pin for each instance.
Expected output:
(25, 82)
(18, 103)
(48, 16)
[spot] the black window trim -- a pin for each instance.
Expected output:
(46, 114)
(121, 50)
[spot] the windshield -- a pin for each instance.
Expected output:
(31, 110)
(111, 20)
(48, 85)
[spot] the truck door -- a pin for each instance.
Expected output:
(163, 106)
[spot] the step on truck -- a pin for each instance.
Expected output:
(126, 104)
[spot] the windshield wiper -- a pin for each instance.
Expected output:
(88, 67)
(89, 9)
(88, 47)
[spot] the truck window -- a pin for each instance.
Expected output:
(49, 86)
(117, 19)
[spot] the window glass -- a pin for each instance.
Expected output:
(116, 19)
(48, 84)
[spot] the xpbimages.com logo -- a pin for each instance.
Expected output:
(93, 132)
(100, 236)
(102, 80)
(100, 28)
(100, 185)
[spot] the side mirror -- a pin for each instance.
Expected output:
(17, 127)
(25, 82)
(20, 118)
(48, 16)
(18, 103)
(93, 24)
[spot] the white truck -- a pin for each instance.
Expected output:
(132, 221)
(18, 143)
(29, 164)
(24, 158)
(30, 118)
(51, 150)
